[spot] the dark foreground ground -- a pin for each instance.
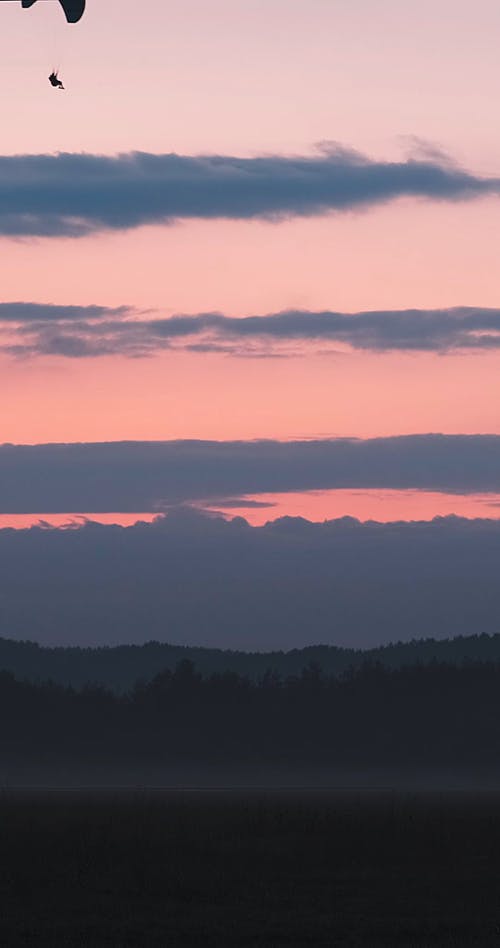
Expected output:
(222, 868)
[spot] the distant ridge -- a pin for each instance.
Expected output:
(120, 667)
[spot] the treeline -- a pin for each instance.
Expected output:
(372, 717)
(118, 668)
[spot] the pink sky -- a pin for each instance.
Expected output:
(241, 77)
(380, 505)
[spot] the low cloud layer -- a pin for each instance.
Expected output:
(72, 195)
(198, 581)
(151, 476)
(31, 329)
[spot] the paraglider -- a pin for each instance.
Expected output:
(73, 9)
(55, 81)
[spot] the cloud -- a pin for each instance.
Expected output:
(147, 476)
(243, 503)
(31, 329)
(72, 195)
(28, 313)
(189, 579)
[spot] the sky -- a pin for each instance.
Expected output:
(328, 167)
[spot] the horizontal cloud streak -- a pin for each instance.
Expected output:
(71, 195)
(29, 329)
(148, 476)
(27, 313)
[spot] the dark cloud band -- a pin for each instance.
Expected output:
(30, 329)
(71, 195)
(142, 476)
(191, 580)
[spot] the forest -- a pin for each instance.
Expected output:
(416, 719)
(118, 668)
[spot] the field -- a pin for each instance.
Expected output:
(139, 869)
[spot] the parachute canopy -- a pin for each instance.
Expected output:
(73, 9)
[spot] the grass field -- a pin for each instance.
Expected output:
(262, 868)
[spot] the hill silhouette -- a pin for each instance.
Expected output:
(119, 668)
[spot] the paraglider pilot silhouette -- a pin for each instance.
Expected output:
(55, 81)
